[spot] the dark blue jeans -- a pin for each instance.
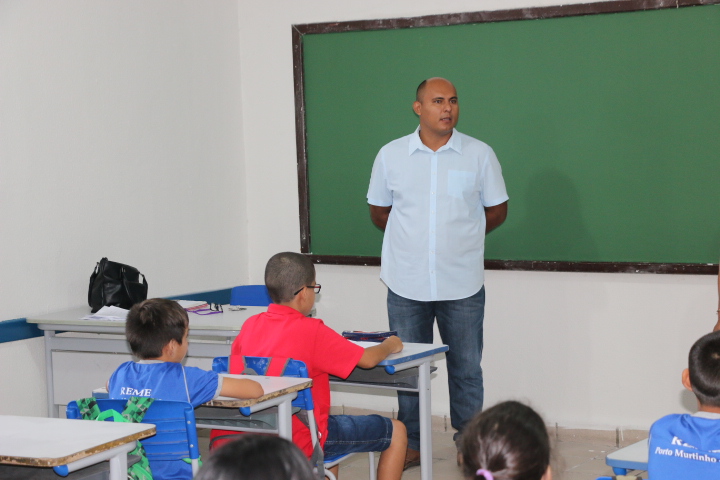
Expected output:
(357, 433)
(460, 323)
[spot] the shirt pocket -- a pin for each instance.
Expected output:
(460, 183)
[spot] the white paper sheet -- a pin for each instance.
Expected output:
(115, 314)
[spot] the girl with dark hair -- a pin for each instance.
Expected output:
(506, 442)
(717, 326)
(257, 457)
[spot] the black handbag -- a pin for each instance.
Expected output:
(115, 284)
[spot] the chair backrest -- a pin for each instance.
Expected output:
(250, 296)
(284, 367)
(264, 366)
(176, 436)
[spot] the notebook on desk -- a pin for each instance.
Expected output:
(361, 336)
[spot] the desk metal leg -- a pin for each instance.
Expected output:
(118, 464)
(49, 382)
(285, 419)
(425, 421)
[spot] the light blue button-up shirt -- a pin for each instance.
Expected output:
(434, 241)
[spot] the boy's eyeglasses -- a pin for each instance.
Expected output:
(211, 309)
(315, 287)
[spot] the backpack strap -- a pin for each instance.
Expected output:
(89, 409)
(136, 408)
(134, 412)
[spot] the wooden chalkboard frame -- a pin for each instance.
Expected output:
(298, 31)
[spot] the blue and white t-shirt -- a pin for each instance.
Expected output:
(685, 446)
(165, 381)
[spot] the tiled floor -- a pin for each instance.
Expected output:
(577, 455)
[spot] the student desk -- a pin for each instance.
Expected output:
(65, 331)
(50, 442)
(279, 392)
(632, 457)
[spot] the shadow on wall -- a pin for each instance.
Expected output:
(688, 400)
(553, 221)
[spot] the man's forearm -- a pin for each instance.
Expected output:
(495, 216)
(379, 216)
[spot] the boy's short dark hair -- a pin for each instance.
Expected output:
(152, 324)
(286, 273)
(257, 457)
(704, 366)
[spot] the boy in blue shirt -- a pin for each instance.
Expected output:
(157, 331)
(684, 445)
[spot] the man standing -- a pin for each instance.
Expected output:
(436, 193)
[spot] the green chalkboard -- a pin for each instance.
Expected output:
(607, 128)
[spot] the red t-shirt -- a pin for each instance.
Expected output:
(285, 332)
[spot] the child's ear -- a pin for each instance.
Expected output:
(548, 474)
(169, 348)
(307, 291)
(686, 379)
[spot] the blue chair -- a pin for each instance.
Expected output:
(176, 437)
(304, 401)
(250, 296)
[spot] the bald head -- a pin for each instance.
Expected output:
(438, 111)
(421, 88)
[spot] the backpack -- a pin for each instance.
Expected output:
(134, 412)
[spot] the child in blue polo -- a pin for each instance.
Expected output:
(685, 445)
(157, 331)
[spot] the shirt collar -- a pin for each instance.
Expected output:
(416, 144)
(710, 415)
(282, 310)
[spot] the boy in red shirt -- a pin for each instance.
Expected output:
(286, 331)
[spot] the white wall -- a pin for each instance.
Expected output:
(589, 350)
(120, 136)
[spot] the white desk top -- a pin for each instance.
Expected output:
(48, 442)
(221, 321)
(635, 453)
(272, 386)
(410, 351)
